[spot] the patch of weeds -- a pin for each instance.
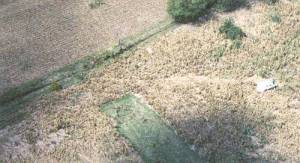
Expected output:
(228, 5)
(218, 53)
(275, 17)
(236, 44)
(55, 86)
(95, 3)
(247, 131)
(263, 140)
(231, 31)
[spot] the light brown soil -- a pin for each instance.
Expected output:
(210, 99)
(39, 36)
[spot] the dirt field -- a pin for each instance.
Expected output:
(39, 36)
(197, 81)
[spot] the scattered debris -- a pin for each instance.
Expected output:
(265, 85)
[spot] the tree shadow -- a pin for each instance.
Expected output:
(229, 132)
(222, 6)
(230, 5)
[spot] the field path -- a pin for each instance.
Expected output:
(39, 36)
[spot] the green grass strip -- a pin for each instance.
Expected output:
(145, 130)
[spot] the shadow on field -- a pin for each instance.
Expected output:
(219, 130)
(222, 7)
(229, 133)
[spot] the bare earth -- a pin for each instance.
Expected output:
(39, 36)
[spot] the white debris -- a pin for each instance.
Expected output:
(193, 147)
(149, 50)
(265, 85)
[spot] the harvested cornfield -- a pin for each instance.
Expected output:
(199, 82)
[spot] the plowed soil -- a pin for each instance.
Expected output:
(39, 36)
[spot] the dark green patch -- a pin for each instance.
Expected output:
(55, 86)
(231, 31)
(263, 140)
(247, 131)
(149, 135)
(275, 18)
(95, 3)
(228, 5)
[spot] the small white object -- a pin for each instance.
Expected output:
(265, 85)
(193, 147)
(149, 50)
